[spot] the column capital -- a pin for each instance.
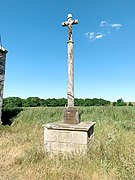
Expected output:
(70, 42)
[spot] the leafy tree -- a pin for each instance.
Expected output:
(33, 102)
(47, 101)
(120, 102)
(88, 102)
(12, 102)
(51, 102)
(96, 102)
(114, 104)
(107, 103)
(61, 102)
(130, 104)
(43, 102)
(25, 103)
(79, 102)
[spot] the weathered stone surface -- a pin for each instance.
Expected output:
(70, 44)
(82, 126)
(70, 138)
(48, 136)
(56, 148)
(79, 137)
(2, 75)
(71, 115)
(63, 136)
(70, 90)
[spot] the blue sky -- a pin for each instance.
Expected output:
(104, 48)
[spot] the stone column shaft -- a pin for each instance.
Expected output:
(70, 89)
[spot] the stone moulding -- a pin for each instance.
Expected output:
(68, 138)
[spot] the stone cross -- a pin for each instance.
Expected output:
(70, 89)
(71, 115)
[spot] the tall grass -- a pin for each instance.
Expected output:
(111, 156)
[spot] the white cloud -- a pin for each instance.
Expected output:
(109, 25)
(87, 34)
(103, 23)
(98, 36)
(106, 28)
(90, 35)
(116, 26)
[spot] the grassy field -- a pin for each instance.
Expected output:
(111, 157)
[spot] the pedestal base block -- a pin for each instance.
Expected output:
(68, 138)
(71, 115)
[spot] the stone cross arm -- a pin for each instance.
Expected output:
(72, 22)
(69, 24)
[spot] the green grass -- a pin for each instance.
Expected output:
(111, 156)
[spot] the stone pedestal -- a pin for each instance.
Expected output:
(71, 115)
(68, 138)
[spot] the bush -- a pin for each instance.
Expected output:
(130, 104)
(8, 114)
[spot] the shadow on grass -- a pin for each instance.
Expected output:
(9, 114)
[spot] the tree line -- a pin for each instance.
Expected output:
(13, 102)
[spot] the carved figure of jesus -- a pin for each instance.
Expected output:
(69, 24)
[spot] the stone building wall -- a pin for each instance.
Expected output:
(2, 76)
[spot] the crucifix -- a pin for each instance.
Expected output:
(70, 89)
(69, 24)
(70, 114)
(69, 135)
